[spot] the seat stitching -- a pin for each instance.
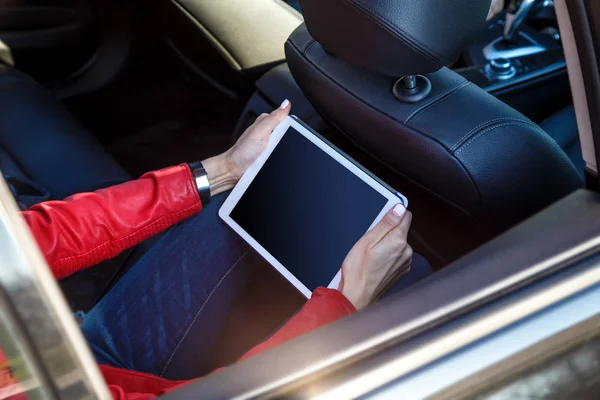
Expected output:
(520, 123)
(472, 131)
(170, 359)
(309, 46)
(435, 100)
(418, 131)
(474, 138)
(388, 26)
(342, 87)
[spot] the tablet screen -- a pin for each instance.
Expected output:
(307, 210)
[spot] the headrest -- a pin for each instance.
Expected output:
(395, 37)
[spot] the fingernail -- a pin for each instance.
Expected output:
(399, 210)
(285, 103)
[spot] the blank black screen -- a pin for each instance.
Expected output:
(307, 210)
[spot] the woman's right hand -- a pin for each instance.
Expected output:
(378, 260)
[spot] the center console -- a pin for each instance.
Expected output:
(522, 65)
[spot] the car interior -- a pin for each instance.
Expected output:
(473, 122)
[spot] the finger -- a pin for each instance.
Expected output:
(390, 221)
(260, 118)
(272, 120)
(396, 240)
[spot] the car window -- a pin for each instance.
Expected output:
(572, 374)
(17, 378)
(564, 366)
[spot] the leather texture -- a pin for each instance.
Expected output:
(278, 85)
(562, 127)
(88, 228)
(231, 42)
(39, 140)
(460, 143)
(395, 37)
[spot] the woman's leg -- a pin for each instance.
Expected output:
(166, 314)
(186, 282)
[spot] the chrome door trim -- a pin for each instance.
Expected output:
(468, 333)
(420, 356)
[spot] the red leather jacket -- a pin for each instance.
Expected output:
(88, 228)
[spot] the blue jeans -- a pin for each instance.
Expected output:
(167, 313)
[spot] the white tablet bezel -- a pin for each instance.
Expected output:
(248, 177)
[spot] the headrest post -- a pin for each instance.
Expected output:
(410, 82)
(412, 88)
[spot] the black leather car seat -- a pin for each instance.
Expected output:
(562, 127)
(484, 160)
(41, 143)
(45, 154)
(229, 43)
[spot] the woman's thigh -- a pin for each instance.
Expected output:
(189, 278)
(166, 314)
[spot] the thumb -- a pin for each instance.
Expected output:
(270, 121)
(390, 221)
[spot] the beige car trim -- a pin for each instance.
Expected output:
(577, 85)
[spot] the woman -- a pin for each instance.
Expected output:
(166, 311)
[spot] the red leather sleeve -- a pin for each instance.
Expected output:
(324, 307)
(88, 228)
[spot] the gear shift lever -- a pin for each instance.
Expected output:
(517, 12)
(513, 43)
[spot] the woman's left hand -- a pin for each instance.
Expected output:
(226, 169)
(254, 140)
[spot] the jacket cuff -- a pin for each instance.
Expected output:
(345, 305)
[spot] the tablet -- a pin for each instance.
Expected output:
(304, 204)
